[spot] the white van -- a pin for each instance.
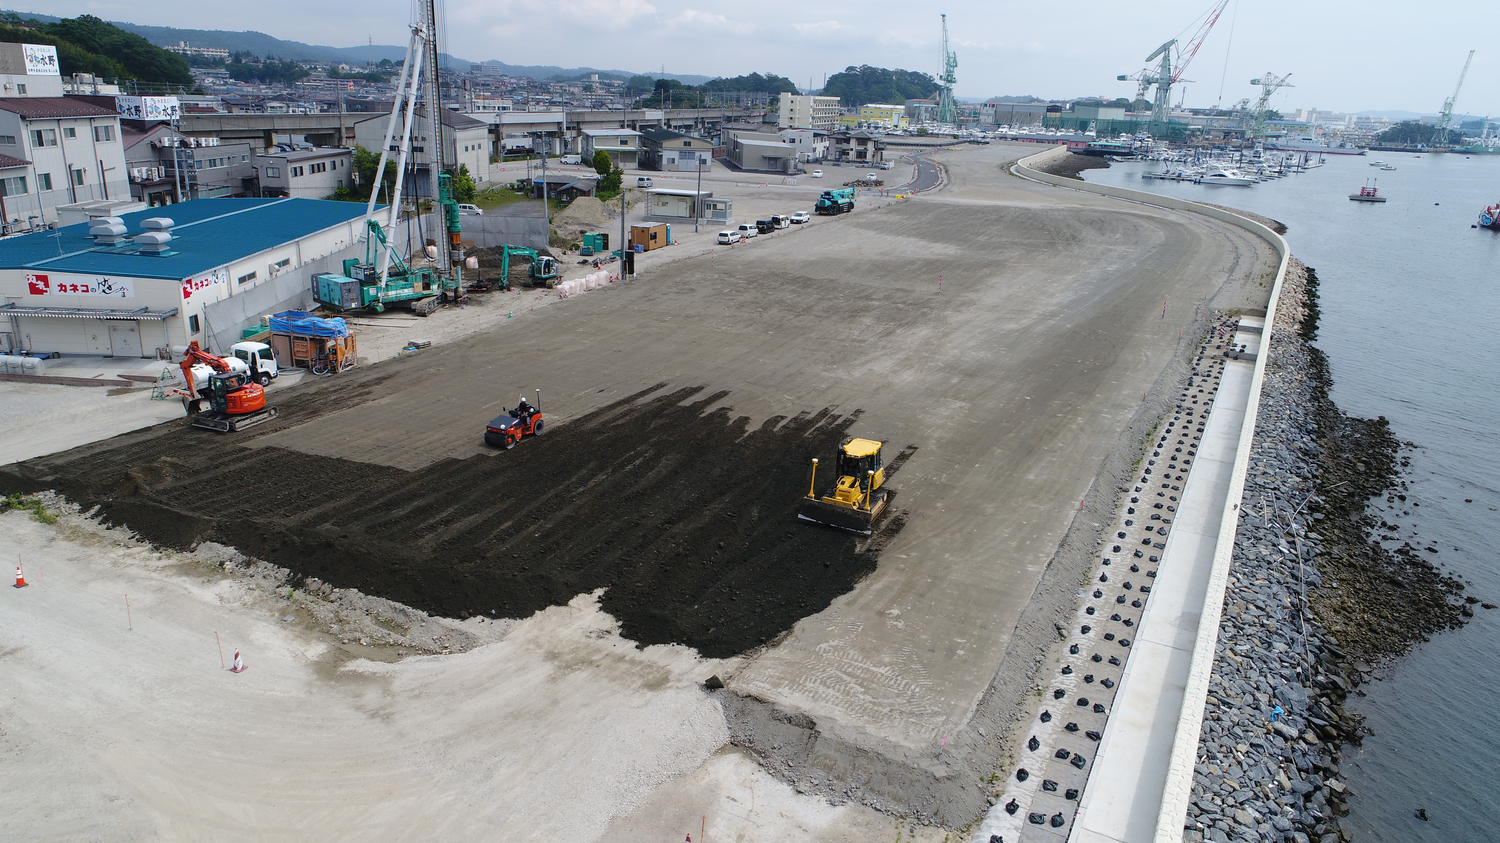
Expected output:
(729, 238)
(470, 209)
(747, 231)
(571, 159)
(643, 181)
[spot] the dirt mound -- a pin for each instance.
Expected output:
(584, 215)
(686, 517)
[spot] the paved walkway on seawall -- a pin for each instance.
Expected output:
(1125, 788)
(1141, 777)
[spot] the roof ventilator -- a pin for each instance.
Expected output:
(156, 237)
(107, 231)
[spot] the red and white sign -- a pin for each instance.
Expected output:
(193, 285)
(43, 285)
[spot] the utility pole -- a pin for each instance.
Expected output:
(698, 200)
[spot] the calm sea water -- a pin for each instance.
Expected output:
(1411, 326)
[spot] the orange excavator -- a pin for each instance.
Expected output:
(235, 400)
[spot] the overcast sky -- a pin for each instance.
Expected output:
(1343, 55)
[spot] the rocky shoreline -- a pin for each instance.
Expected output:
(1312, 603)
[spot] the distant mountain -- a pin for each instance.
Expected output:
(261, 44)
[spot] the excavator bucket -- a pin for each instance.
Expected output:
(852, 519)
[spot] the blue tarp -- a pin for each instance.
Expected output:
(303, 324)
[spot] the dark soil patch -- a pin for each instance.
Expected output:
(1070, 165)
(686, 517)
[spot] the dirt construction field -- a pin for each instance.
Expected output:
(1010, 342)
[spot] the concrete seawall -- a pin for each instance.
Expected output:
(1177, 786)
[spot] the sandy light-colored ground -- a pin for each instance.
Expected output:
(1017, 382)
(120, 724)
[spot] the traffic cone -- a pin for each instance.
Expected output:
(20, 579)
(239, 664)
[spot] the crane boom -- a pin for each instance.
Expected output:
(1165, 75)
(1445, 117)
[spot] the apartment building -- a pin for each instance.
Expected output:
(808, 112)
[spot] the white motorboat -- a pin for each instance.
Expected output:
(1232, 178)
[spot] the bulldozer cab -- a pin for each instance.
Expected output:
(857, 458)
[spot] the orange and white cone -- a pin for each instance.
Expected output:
(239, 664)
(20, 579)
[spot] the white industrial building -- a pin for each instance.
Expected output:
(199, 270)
(808, 112)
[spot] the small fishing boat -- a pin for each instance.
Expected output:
(1388, 167)
(1490, 217)
(1368, 193)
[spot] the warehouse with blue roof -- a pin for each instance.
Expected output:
(199, 270)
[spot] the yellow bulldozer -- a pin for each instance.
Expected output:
(856, 497)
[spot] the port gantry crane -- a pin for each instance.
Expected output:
(1166, 75)
(1445, 117)
(946, 111)
(1269, 84)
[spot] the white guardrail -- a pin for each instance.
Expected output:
(1173, 813)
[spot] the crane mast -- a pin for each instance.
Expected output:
(1445, 117)
(946, 111)
(1166, 74)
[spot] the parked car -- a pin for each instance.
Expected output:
(747, 230)
(871, 177)
(470, 209)
(781, 220)
(643, 181)
(729, 238)
(571, 159)
(885, 165)
(817, 174)
(800, 217)
(766, 226)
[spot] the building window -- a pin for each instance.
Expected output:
(21, 89)
(273, 172)
(281, 264)
(70, 132)
(244, 158)
(43, 182)
(78, 178)
(14, 186)
(44, 137)
(104, 134)
(192, 324)
(246, 278)
(8, 140)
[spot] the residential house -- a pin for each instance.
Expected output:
(857, 147)
(72, 152)
(564, 187)
(623, 146)
(167, 166)
(669, 151)
(305, 173)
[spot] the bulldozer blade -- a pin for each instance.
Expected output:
(841, 517)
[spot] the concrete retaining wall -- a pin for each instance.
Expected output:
(1173, 812)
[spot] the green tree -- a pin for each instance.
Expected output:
(364, 165)
(464, 188)
(601, 162)
(609, 184)
(141, 59)
(862, 85)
